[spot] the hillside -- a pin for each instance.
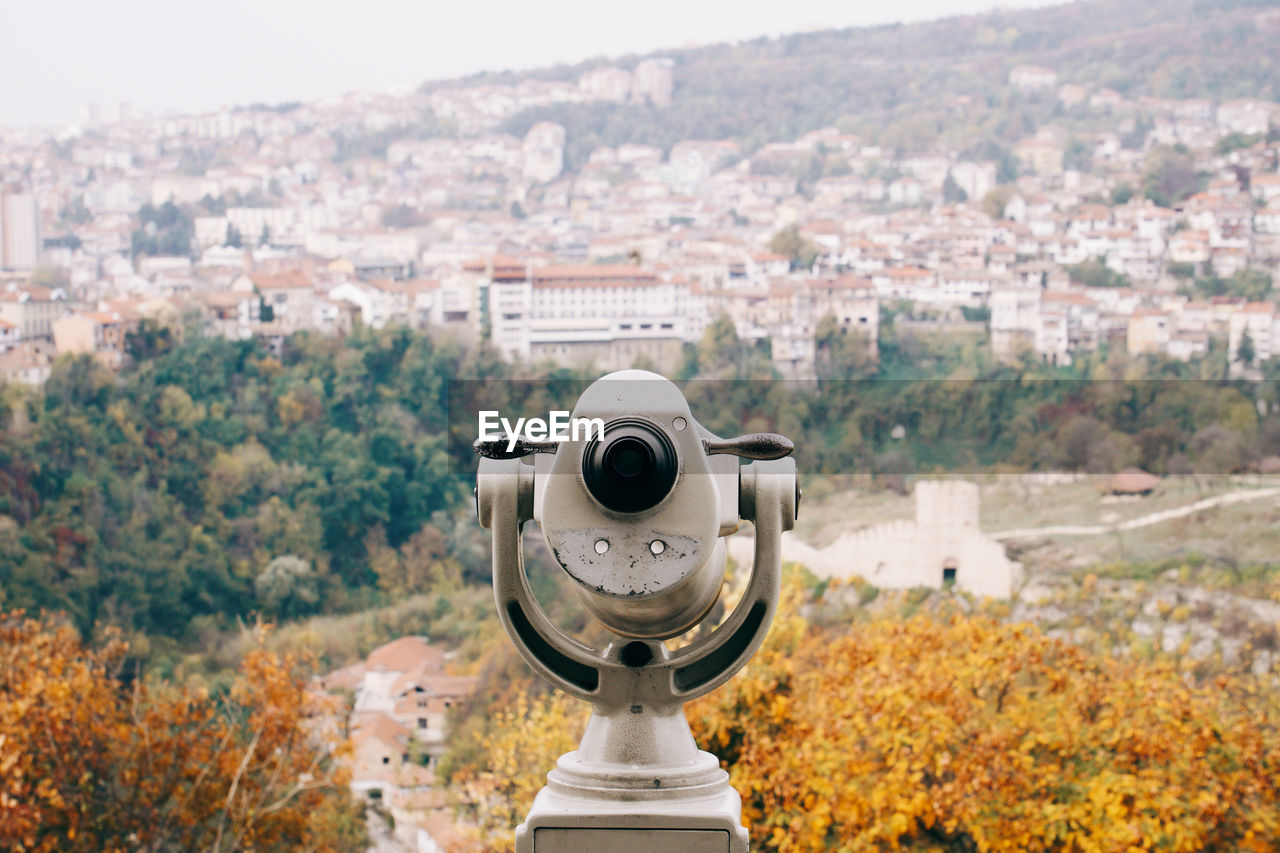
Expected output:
(940, 83)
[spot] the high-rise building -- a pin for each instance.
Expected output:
(19, 231)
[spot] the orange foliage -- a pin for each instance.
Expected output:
(88, 764)
(949, 733)
(969, 734)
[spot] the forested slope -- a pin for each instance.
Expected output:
(217, 481)
(915, 86)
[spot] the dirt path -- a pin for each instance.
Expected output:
(1142, 521)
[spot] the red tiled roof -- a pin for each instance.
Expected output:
(378, 726)
(615, 275)
(288, 280)
(403, 655)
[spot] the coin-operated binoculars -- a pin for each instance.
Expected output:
(635, 515)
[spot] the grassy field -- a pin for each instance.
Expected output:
(1010, 502)
(1237, 534)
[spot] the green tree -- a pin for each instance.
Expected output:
(1245, 352)
(1170, 175)
(790, 242)
(1094, 273)
(951, 191)
(288, 586)
(841, 353)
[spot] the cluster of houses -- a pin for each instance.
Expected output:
(401, 698)
(292, 223)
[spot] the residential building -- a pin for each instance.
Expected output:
(234, 315)
(27, 362)
(287, 298)
(544, 152)
(32, 308)
(1259, 321)
(19, 231)
(1149, 331)
(653, 81)
(606, 83)
(10, 335)
(103, 334)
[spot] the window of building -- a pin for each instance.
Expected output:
(422, 722)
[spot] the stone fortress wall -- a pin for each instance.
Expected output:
(943, 545)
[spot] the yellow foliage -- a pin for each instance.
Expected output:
(967, 733)
(524, 740)
(950, 732)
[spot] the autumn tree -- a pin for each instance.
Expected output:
(964, 733)
(94, 761)
(947, 732)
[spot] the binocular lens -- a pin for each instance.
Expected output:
(632, 469)
(628, 458)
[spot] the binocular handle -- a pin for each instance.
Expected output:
(506, 447)
(757, 445)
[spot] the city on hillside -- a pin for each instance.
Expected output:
(1158, 233)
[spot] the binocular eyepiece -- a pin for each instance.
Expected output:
(632, 468)
(634, 511)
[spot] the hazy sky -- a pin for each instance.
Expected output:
(59, 55)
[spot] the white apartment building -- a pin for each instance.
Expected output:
(850, 300)
(653, 81)
(32, 309)
(795, 310)
(251, 222)
(381, 302)
(1247, 116)
(609, 315)
(19, 231)
(606, 84)
(1015, 319)
(543, 152)
(289, 295)
(1260, 322)
(976, 179)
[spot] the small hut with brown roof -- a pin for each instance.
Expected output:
(1133, 481)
